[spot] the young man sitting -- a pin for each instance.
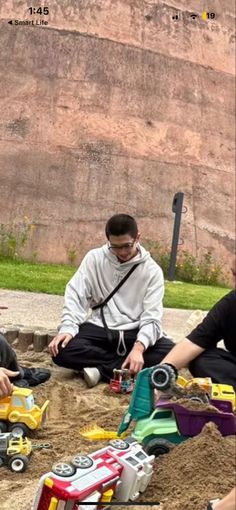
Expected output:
(126, 330)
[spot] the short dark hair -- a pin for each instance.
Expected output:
(121, 224)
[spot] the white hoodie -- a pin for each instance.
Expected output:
(137, 304)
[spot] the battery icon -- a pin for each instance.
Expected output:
(208, 15)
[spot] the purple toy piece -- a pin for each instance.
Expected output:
(223, 405)
(190, 422)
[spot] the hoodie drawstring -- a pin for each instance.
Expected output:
(121, 348)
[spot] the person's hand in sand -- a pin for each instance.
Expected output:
(13, 373)
(6, 386)
(62, 339)
(135, 358)
(227, 503)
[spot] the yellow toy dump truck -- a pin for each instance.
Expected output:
(19, 414)
(14, 452)
(215, 391)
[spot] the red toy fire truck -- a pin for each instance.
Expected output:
(122, 381)
(122, 469)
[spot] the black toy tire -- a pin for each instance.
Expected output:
(157, 446)
(63, 469)
(163, 377)
(3, 427)
(119, 444)
(19, 429)
(200, 399)
(82, 461)
(18, 463)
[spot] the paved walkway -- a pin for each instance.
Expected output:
(34, 310)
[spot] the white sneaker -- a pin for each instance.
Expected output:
(92, 376)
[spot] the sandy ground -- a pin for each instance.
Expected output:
(185, 479)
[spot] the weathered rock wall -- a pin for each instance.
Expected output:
(113, 107)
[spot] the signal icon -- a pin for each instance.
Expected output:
(175, 17)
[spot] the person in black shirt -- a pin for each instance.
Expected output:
(199, 349)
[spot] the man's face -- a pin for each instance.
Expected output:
(124, 247)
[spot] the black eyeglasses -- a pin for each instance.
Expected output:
(126, 246)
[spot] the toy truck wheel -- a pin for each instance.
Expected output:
(19, 429)
(18, 463)
(63, 469)
(119, 444)
(202, 399)
(163, 377)
(130, 440)
(3, 427)
(157, 447)
(82, 461)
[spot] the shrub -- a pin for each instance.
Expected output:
(72, 255)
(14, 237)
(204, 270)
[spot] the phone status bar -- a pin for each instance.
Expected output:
(206, 16)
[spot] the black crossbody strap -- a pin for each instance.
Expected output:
(101, 305)
(108, 332)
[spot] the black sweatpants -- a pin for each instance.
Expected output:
(216, 363)
(8, 357)
(91, 348)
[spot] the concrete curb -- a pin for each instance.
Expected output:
(26, 339)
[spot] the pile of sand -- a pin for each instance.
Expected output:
(197, 470)
(185, 479)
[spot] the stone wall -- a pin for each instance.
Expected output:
(114, 107)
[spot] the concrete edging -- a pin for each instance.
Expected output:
(28, 339)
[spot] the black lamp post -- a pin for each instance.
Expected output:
(177, 208)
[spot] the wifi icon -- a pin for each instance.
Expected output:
(193, 16)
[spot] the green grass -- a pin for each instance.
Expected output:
(34, 277)
(52, 279)
(193, 297)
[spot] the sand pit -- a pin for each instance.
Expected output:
(185, 479)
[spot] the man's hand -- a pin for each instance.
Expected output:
(6, 386)
(135, 358)
(62, 337)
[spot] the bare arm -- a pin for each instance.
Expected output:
(184, 352)
(227, 503)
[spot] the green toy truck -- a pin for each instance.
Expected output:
(159, 428)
